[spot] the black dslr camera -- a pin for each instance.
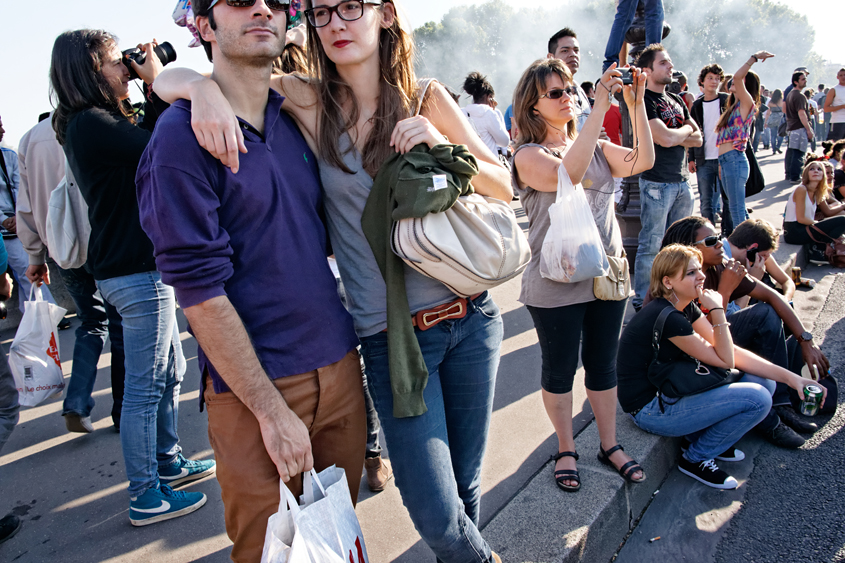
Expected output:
(164, 51)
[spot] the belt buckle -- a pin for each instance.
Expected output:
(429, 319)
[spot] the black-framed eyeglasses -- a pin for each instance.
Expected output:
(557, 93)
(349, 11)
(710, 241)
(275, 5)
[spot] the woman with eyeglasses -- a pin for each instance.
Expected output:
(733, 132)
(568, 316)
(356, 109)
(710, 422)
(487, 121)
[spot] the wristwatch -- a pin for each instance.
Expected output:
(805, 337)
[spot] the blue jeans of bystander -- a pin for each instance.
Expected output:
(662, 205)
(9, 407)
(625, 10)
(437, 456)
(154, 369)
(707, 175)
(734, 176)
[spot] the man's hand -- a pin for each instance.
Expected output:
(692, 168)
(758, 268)
(809, 134)
(38, 274)
(287, 442)
(10, 224)
(6, 286)
(799, 383)
(732, 275)
(813, 356)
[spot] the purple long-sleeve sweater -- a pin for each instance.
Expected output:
(256, 237)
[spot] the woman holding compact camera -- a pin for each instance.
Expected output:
(103, 142)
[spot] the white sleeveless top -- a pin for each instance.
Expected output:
(809, 208)
(838, 116)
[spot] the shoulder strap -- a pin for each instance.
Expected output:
(811, 228)
(657, 331)
(423, 84)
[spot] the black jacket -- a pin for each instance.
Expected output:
(696, 154)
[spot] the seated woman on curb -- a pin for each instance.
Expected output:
(801, 209)
(712, 421)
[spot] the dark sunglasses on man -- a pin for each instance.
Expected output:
(710, 241)
(275, 5)
(349, 11)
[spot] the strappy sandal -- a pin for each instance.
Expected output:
(562, 475)
(627, 470)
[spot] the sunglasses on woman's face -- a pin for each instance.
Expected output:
(710, 241)
(275, 5)
(557, 93)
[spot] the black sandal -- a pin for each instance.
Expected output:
(562, 475)
(627, 470)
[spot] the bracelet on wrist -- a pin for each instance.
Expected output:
(721, 324)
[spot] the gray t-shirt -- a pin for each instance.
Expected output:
(598, 185)
(345, 198)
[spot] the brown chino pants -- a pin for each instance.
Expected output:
(329, 401)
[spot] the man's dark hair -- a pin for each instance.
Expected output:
(680, 77)
(755, 230)
(565, 32)
(821, 87)
(646, 59)
(710, 69)
(796, 76)
(201, 9)
(586, 86)
(683, 231)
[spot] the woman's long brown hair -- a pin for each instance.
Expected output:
(530, 124)
(340, 110)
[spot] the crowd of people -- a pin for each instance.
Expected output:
(227, 193)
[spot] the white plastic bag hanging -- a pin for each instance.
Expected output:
(323, 529)
(572, 249)
(34, 354)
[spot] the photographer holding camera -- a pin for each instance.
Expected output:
(95, 124)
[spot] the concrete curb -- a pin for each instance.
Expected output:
(542, 523)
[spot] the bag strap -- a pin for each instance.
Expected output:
(657, 331)
(811, 228)
(423, 84)
(308, 487)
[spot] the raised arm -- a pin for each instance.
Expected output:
(746, 102)
(622, 160)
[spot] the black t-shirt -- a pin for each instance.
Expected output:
(635, 351)
(670, 165)
(838, 182)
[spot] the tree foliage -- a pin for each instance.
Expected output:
(500, 41)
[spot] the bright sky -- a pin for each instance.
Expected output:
(27, 32)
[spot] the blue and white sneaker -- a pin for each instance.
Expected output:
(183, 471)
(163, 503)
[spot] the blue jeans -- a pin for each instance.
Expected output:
(707, 175)
(625, 11)
(662, 205)
(734, 177)
(437, 456)
(154, 369)
(776, 141)
(98, 318)
(714, 420)
(9, 407)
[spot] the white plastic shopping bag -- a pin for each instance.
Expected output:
(34, 354)
(572, 249)
(322, 529)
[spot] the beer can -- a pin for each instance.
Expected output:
(796, 275)
(812, 400)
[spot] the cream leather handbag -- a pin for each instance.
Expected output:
(471, 247)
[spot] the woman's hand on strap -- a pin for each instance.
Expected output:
(215, 124)
(414, 131)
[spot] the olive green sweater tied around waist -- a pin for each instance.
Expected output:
(414, 184)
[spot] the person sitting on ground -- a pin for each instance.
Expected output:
(759, 328)
(838, 190)
(753, 243)
(482, 113)
(799, 220)
(833, 151)
(711, 421)
(564, 314)
(833, 196)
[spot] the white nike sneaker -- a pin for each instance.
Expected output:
(163, 503)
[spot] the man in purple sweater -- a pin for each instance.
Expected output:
(246, 255)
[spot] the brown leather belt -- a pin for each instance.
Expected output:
(427, 318)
